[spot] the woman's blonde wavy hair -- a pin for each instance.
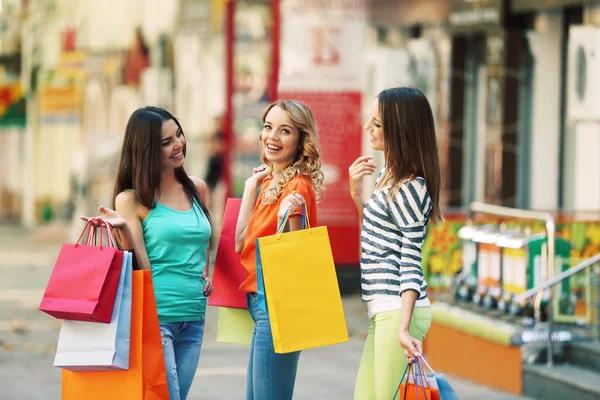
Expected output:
(308, 158)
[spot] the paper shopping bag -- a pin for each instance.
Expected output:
(418, 389)
(234, 325)
(261, 296)
(303, 296)
(411, 391)
(84, 282)
(228, 273)
(88, 346)
(146, 378)
(438, 382)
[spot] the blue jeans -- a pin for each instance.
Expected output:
(271, 376)
(181, 342)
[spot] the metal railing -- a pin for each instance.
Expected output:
(547, 272)
(590, 262)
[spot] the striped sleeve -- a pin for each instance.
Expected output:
(410, 210)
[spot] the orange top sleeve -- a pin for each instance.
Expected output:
(263, 222)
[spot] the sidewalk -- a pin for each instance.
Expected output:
(28, 338)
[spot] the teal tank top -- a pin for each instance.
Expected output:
(176, 242)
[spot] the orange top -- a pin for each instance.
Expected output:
(263, 222)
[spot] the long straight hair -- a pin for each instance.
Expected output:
(411, 147)
(141, 159)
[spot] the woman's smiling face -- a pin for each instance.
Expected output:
(374, 128)
(279, 138)
(172, 143)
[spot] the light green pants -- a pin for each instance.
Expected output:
(383, 360)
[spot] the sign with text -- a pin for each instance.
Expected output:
(472, 15)
(339, 124)
(321, 44)
(529, 5)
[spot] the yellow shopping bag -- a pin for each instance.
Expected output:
(234, 325)
(303, 296)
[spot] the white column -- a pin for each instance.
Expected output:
(586, 171)
(545, 121)
(28, 211)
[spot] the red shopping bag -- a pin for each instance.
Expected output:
(229, 273)
(84, 281)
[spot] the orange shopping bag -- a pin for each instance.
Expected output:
(146, 378)
(419, 388)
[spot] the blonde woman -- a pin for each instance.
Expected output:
(290, 177)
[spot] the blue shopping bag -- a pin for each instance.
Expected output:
(261, 295)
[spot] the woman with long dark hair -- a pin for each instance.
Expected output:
(394, 220)
(162, 214)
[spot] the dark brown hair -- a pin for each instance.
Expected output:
(140, 165)
(411, 147)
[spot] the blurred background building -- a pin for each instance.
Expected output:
(511, 83)
(514, 86)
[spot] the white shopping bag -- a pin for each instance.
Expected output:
(92, 346)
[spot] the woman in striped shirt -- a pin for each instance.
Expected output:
(394, 220)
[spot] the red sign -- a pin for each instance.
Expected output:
(338, 117)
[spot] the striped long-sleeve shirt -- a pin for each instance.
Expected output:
(392, 236)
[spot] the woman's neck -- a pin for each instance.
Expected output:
(168, 180)
(278, 168)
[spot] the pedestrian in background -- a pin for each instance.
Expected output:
(394, 221)
(214, 167)
(290, 178)
(162, 214)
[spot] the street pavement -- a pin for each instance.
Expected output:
(28, 337)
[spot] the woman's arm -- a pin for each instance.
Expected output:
(410, 210)
(248, 203)
(130, 210)
(291, 203)
(202, 189)
(247, 206)
(360, 167)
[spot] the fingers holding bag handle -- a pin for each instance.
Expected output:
(113, 240)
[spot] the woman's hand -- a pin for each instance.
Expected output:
(360, 167)
(208, 286)
(258, 176)
(291, 202)
(109, 216)
(412, 347)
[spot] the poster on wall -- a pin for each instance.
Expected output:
(323, 68)
(61, 91)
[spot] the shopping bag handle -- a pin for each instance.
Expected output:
(305, 221)
(407, 371)
(416, 381)
(421, 371)
(427, 364)
(423, 375)
(114, 240)
(90, 234)
(401, 379)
